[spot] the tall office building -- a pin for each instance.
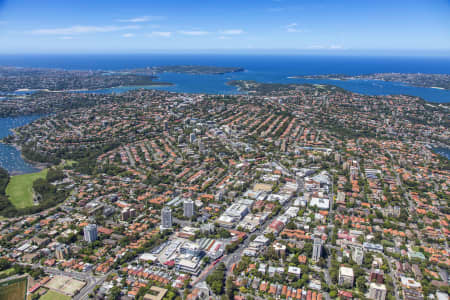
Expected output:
(317, 249)
(166, 218)
(90, 233)
(188, 208)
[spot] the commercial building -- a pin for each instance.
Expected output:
(320, 203)
(237, 211)
(373, 247)
(189, 265)
(226, 221)
(232, 215)
(90, 233)
(191, 249)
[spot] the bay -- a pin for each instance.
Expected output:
(10, 157)
(263, 68)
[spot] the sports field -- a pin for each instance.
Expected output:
(7, 272)
(14, 288)
(52, 295)
(20, 188)
(65, 285)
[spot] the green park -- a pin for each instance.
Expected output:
(20, 188)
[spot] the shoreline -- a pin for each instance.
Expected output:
(163, 84)
(39, 166)
(349, 78)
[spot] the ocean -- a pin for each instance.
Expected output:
(264, 68)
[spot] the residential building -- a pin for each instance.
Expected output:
(192, 137)
(188, 208)
(411, 289)
(317, 249)
(377, 276)
(377, 291)
(358, 255)
(61, 252)
(127, 213)
(346, 276)
(166, 218)
(90, 233)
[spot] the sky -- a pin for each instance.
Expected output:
(111, 26)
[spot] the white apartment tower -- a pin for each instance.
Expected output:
(166, 218)
(90, 233)
(188, 208)
(317, 249)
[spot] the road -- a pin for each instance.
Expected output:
(230, 259)
(326, 272)
(391, 273)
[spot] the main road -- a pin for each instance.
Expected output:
(230, 259)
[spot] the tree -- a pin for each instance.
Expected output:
(229, 288)
(54, 174)
(4, 264)
(361, 283)
(333, 294)
(307, 249)
(216, 279)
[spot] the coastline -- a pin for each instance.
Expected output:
(359, 77)
(37, 165)
(162, 84)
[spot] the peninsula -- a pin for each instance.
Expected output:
(189, 69)
(441, 81)
(32, 79)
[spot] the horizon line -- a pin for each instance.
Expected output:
(334, 52)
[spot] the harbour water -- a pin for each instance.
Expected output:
(263, 68)
(442, 151)
(10, 158)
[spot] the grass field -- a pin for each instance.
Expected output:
(7, 272)
(20, 188)
(69, 163)
(52, 295)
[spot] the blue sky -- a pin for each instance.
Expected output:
(97, 26)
